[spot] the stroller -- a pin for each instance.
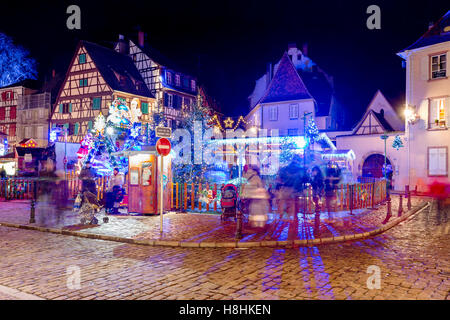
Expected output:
(229, 201)
(88, 206)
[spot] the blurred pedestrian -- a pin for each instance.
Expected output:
(87, 176)
(333, 177)
(317, 185)
(257, 196)
(47, 195)
(113, 196)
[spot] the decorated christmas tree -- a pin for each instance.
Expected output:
(312, 132)
(398, 143)
(193, 173)
(120, 131)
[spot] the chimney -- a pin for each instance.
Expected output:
(268, 74)
(141, 38)
(305, 49)
(122, 44)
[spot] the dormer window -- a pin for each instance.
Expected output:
(168, 77)
(177, 80)
(193, 86)
(438, 66)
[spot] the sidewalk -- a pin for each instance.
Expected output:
(201, 229)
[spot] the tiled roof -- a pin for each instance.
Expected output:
(110, 63)
(286, 84)
(383, 121)
(319, 87)
(434, 35)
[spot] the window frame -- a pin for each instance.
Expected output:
(177, 80)
(79, 58)
(274, 107)
(292, 130)
(168, 77)
(291, 117)
(170, 100)
(193, 85)
(446, 161)
(438, 55)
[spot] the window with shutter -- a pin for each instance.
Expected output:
(96, 103)
(61, 110)
(90, 125)
(76, 128)
(144, 107)
(70, 107)
(438, 66)
(2, 113)
(12, 113)
(12, 129)
(437, 161)
(82, 58)
(432, 113)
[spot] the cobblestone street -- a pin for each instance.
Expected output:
(413, 258)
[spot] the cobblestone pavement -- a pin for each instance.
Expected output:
(208, 227)
(413, 258)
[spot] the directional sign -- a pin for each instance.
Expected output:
(163, 146)
(163, 132)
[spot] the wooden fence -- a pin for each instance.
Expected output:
(188, 197)
(192, 197)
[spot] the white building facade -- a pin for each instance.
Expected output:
(428, 107)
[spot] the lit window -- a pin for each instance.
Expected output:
(293, 111)
(438, 66)
(437, 161)
(437, 113)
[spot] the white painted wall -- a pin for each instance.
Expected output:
(419, 89)
(366, 145)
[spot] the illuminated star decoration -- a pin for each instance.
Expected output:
(228, 122)
(134, 132)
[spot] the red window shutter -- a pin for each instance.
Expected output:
(12, 129)
(12, 113)
(4, 96)
(2, 113)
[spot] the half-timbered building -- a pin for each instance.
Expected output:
(9, 100)
(96, 77)
(175, 90)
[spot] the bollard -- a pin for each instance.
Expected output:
(238, 234)
(408, 204)
(33, 202)
(389, 212)
(400, 206)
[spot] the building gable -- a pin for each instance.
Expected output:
(286, 84)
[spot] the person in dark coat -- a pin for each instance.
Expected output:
(87, 176)
(317, 185)
(333, 176)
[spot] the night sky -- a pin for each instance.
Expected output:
(229, 43)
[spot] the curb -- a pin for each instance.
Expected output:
(230, 244)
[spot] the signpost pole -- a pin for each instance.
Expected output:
(162, 191)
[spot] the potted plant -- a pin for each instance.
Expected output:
(436, 122)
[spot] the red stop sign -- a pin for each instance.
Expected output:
(163, 146)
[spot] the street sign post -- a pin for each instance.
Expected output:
(163, 147)
(163, 132)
